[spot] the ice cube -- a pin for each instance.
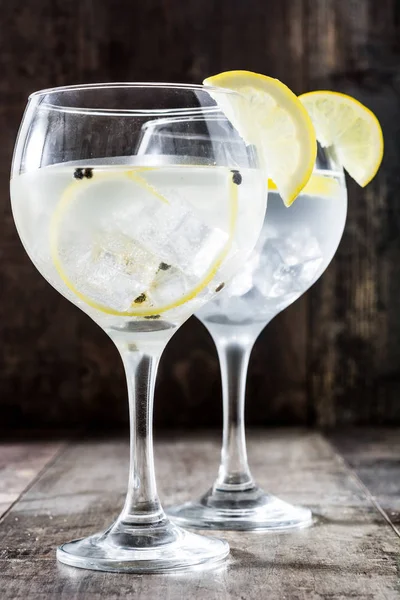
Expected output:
(169, 286)
(288, 264)
(269, 265)
(243, 281)
(309, 270)
(179, 238)
(298, 247)
(115, 270)
(235, 308)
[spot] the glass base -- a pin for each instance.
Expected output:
(241, 510)
(140, 551)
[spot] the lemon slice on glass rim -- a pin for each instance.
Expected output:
(77, 248)
(278, 125)
(351, 128)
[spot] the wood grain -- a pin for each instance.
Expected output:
(334, 357)
(20, 463)
(351, 552)
(374, 455)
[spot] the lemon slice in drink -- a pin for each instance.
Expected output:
(279, 125)
(354, 131)
(111, 242)
(318, 185)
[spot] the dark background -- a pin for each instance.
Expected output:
(332, 358)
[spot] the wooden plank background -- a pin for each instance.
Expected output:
(334, 356)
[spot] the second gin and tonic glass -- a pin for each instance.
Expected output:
(295, 247)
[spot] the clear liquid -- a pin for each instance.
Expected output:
(295, 247)
(111, 238)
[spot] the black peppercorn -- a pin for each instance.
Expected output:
(237, 178)
(163, 266)
(140, 299)
(79, 174)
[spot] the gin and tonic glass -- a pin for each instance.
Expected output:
(295, 247)
(139, 243)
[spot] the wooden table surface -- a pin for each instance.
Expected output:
(51, 492)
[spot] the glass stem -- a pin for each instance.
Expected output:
(142, 506)
(234, 473)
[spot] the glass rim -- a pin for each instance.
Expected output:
(130, 84)
(184, 111)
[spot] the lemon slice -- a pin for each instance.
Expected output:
(99, 257)
(318, 185)
(349, 126)
(278, 124)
